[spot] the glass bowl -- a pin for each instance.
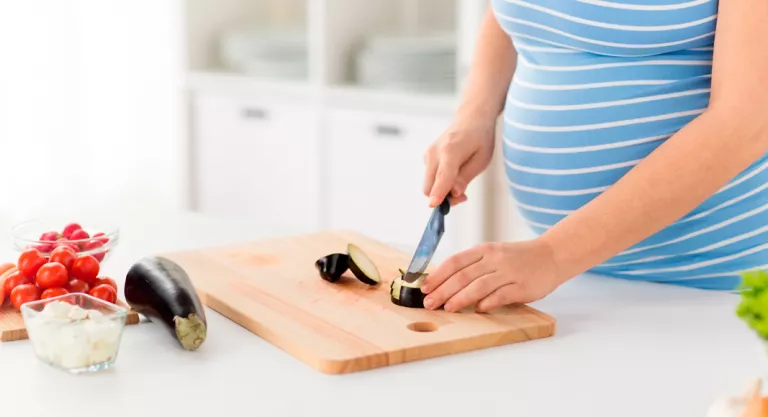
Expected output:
(32, 234)
(75, 332)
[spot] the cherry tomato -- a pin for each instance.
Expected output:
(101, 237)
(3, 276)
(53, 292)
(52, 275)
(65, 256)
(86, 268)
(69, 229)
(43, 248)
(104, 292)
(65, 242)
(30, 261)
(6, 267)
(79, 234)
(14, 280)
(24, 293)
(50, 236)
(77, 285)
(93, 244)
(104, 280)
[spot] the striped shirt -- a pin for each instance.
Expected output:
(598, 86)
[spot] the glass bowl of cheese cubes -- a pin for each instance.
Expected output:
(75, 332)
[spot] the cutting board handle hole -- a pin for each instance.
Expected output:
(422, 326)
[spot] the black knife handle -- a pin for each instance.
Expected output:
(445, 206)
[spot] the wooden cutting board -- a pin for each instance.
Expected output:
(12, 323)
(273, 289)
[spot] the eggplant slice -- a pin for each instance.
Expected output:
(407, 294)
(332, 267)
(362, 266)
(161, 290)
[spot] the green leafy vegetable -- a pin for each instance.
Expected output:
(753, 308)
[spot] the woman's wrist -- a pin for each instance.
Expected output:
(479, 115)
(561, 270)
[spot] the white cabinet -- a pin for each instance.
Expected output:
(375, 174)
(324, 152)
(256, 156)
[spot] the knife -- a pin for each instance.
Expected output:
(428, 243)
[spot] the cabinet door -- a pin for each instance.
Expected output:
(376, 171)
(258, 158)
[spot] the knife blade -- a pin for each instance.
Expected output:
(429, 241)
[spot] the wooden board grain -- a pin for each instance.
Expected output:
(12, 323)
(273, 289)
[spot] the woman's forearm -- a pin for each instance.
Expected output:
(673, 180)
(493, 65)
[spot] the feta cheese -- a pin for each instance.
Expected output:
(72, 337)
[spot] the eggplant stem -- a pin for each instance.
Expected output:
(190, 331)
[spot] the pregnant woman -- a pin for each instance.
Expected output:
(635, 145)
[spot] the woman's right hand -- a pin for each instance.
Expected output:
(459, 155)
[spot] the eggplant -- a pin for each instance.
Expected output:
(407, 294)
(161, 290)
(362, 266)
(331, 267)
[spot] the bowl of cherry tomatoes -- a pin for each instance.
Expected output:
(57, 261)
(94, 238)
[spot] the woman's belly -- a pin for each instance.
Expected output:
(576, 122)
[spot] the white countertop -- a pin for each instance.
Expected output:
(622, 349)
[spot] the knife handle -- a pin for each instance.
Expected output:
(445, 206)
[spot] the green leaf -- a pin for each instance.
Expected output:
(753, 307)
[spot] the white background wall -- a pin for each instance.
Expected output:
(89, 105)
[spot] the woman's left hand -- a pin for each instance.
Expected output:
(493, 275)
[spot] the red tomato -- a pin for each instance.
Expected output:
(77, 285)
(24, 293)
(43, 248)
(104, 280)
(86, 268)
(53, 292)
(104, 292)
(14, 280)
(65, 242)
(50, 236)
(2, 295)
(69, 229)
(93, 244)
(65, 256)
(6, 267)
(79, 234)
(52, 275)
(101, 238)
(30, 261)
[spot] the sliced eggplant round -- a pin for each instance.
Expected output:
(407, 294)
(332, 267)
(362, 266)
(161, 290)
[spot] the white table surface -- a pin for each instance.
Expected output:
(622, 349)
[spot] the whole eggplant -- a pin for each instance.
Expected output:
(161, 290)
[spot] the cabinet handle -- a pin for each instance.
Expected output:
(384, 130)
(254, 113)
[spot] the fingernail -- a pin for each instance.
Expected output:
(428, 303)
(424, 289)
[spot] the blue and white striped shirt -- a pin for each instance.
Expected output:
(598, 86)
